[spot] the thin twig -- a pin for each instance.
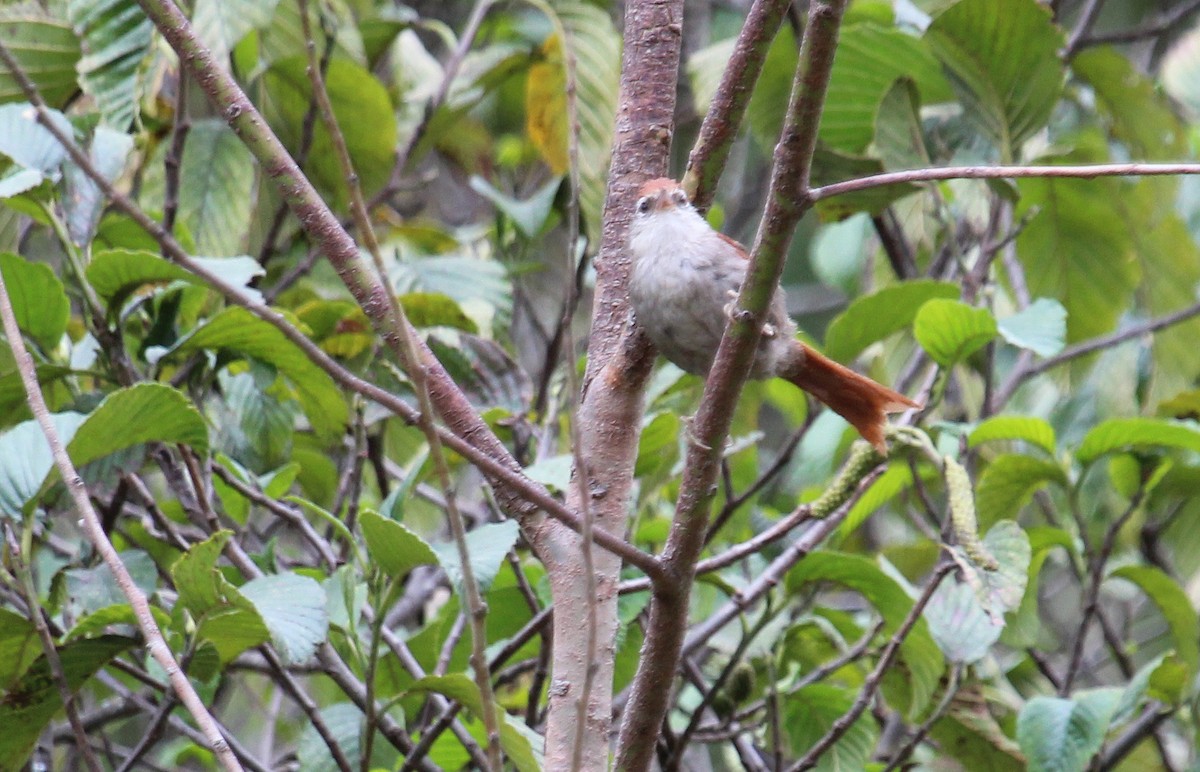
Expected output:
(923, 730)
(867, 693)
(942, 173)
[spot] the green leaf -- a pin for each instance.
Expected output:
(595, 45)
(808, 715)
(83, 201)
(1001, 57)
(116, 38)
(1171, 600)
(514, 737)
(393, 547)
(1078, 250)
(1041, 328)
(195, 574)
(529, 214)
(293, 608)
(431, 309)
(1125, 433)
(895, 479)
(963, 630)
(1061, 735)
(486, 546)
(444, 275)
(238, 330)
(364, 114)
(951, 331)
(1136, 110)
(91, 589)
(869, 59)
(918, 652)
(830, 166)
(226, 620)
(899, 135)
(216, 188)
(25, 460)
(145, 412)
(1035, 431)
(1009, 482)
(115, 273)
(38, 298)
(30, 144)
(28, 706)
(553, 471)
(46, 48)
(252, 425)
(485, 372)
(1002, 588)
(345, 723)
(871, 318)
(1024, 625)
(19, 646)
(220, 24)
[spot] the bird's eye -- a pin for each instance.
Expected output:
(643, 205)
(680, 197)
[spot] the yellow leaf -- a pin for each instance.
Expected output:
(546, 105)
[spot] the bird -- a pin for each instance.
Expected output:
(685, 278)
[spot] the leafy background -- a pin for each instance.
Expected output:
(1057, 465)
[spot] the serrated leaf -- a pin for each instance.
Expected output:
(1078, 250)
(25, 460)
(1035, 431)
(238, 330)
(1173, 603)
(115, 273)
(870, 58)
(392, 546)
(38, 299)
(874, 317)
(1001, 57)
(1061, 735)
(596, 46)
(145, 412)
(1125, 433)
(364, 114)
(809, 713)
(962, 628)
(951, 331)
(46, 48)
(486, 546)
(1041, 328)
(116, 37)
(199, 584)
(1009, 482)
(918, 652)
(293, 608)
(28, 706)
(216, 185)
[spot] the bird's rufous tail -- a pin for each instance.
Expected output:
(857, 398)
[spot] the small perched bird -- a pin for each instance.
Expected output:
(685, 279)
